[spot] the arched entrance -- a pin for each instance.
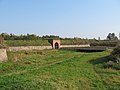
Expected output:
(56, 45)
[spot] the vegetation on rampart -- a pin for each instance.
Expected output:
(34, 40)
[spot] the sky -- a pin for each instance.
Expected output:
(65, 18)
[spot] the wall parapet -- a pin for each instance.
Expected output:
(20, 48)
(85, 45)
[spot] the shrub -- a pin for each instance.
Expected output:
(116, 54)
(114, 59)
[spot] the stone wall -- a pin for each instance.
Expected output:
(3, 55)
(41, 47)
(29, 48)
(86, 45)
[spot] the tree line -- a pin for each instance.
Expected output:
(26, 37)
(30, 39)
(110, 37)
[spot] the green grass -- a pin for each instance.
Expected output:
(41, 42)
(27, 42)
(57, 70)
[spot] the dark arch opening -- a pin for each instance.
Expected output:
(56, 45)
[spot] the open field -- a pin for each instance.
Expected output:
(58, 70)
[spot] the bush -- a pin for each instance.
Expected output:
(116, 54)
(114, 59)
(116, 51)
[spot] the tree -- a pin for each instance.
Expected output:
(112, 36)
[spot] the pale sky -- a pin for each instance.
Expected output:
(65, 18)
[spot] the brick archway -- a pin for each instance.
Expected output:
(55, 44)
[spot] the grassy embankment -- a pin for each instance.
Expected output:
(27, 42)
(43, 42)
(57, 70)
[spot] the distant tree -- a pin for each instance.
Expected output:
(19, 37)
(50, 37)
(112, 36)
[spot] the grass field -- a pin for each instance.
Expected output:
(57, 70)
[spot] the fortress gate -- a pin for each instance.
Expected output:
(55, 44)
